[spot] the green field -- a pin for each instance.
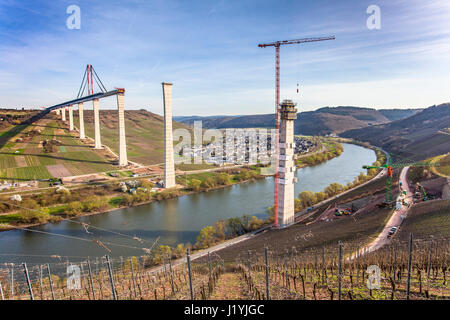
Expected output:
(444, 167)
(144, 133)
(22, 156)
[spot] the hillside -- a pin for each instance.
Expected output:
(320, 122)
(397, 114)
(144, 132)
(24, 154)
(420, 136)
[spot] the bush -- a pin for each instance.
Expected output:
(223, 179)
(74, 208)
(195, 185)
(208, 183)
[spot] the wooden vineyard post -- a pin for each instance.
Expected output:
(171, 274)
(50, 281)
(111, 278)
(27, 277)
(40, 282)
(408, 284)
(210, 266)
(90, 279)
(1, 292)
(249, 265)
(267, 272)
(132, 277)
(340, 271)
(188, 257)
(323, 265)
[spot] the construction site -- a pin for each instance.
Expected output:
(101, 201)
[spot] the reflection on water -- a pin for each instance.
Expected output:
(176, 220)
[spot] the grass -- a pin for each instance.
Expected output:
(115, 201)
(75, 156)
(144, 133)
(192, 167)
(444, 161)
(427, 218)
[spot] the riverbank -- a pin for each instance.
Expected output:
(50, 207)
(108, 198)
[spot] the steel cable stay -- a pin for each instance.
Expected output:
(101, 244)
(84, 224)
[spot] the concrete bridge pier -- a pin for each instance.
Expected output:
(97, 136)
(63, 114)
(123, 161)
(58, 112)
(70, 118)
(286, 169)
(81, 118)
(169, 165)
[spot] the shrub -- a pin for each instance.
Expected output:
(208, 183)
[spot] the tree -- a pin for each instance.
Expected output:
(161, 253)
(220, 229)
(307, 198)
(333, 189)
(223, 178)
(255, 223)
(234, 227)
(195, 184)
(206, 237)
(208, 183)
(74, 208)
(145, 183)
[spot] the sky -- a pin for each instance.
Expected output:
(209, 50)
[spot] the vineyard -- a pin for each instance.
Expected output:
(413, 269)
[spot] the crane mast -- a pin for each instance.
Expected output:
(277, 45)
(389, 166)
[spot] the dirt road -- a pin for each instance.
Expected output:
(394, 221)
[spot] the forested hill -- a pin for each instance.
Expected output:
(320, 122)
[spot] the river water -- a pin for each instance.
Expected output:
(174, 221)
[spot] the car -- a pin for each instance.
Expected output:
(392, 231)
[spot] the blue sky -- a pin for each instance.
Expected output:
(209, 50)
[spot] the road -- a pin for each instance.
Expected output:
(247, 236)
(394, 221)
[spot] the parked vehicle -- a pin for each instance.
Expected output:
(392, 232)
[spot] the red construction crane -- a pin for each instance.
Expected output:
(277, 45)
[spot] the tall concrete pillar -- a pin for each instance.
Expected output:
(63, 114)
(286, 169)
(70, 118)
(58, 112)
(81, 118)
(123, 161)
(169, 165)
(97, 137)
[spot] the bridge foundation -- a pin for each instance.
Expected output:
(70, 118)
(169, 165)
(97, 136)
(286, 169)
(123, 161)
(63, 114)
(81, 119)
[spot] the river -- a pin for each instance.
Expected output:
(174, 221)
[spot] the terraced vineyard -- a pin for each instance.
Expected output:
(22, 156)
(144, 131)
(318, 274)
